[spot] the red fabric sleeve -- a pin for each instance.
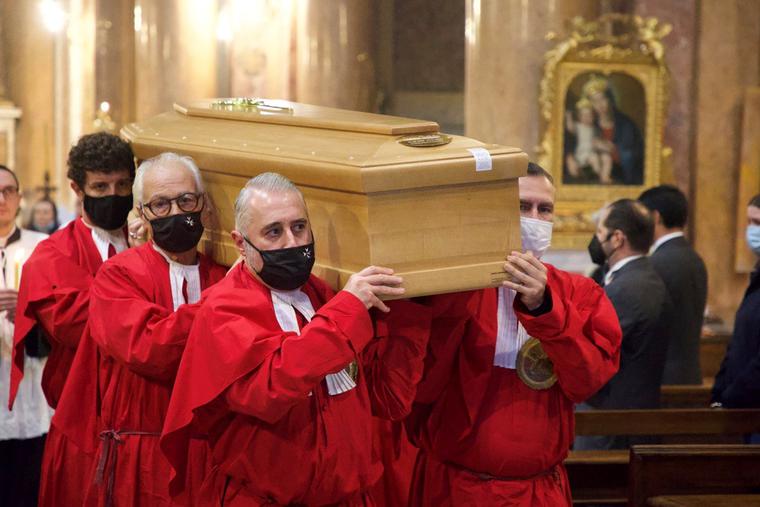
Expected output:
(394, 360)
(580, 334)
(56, 299)
(338, 332)
(148, 338)
(451, 314)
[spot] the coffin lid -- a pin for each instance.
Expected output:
(318, 146)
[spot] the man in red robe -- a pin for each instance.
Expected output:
(55, 291)
(492, 422)
(283, 375)
(141, 310)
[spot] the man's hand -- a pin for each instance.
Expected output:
(8, 300)
(529, 278)
(371, 283)
(137, 232)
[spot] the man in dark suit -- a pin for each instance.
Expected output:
(737, 384)
(685, 277)
(625, 232)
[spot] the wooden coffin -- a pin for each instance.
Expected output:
(438, 216)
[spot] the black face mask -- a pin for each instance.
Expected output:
(286, 268)
(596, 251)
(177, 233)
(109, 212)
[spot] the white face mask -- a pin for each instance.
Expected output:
(536, 235)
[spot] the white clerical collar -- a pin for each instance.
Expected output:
(618, 266)
(286, 302)
(104, 238)
(510, 333)
(664, 239)
(180, 273)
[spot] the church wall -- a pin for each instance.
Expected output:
(727, 62)
(28, 51)
(474, 66)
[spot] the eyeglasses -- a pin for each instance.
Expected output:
(161, 207)
(9, 192)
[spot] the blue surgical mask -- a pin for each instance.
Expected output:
(753, 238)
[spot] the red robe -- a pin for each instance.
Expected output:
(54, 293)
(398, 456)
(396, 452)
(277, 436)
(134, 343)
(485, 437)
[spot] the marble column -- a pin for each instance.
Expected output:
(727, 61)
(504, 48)
(257, 51)
(3, 66)
(175, 53)
(115, 59)
(29, 85)
(681, 58)
(334, 61)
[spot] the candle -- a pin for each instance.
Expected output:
(18, 262)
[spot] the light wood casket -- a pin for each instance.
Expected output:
(426, 212)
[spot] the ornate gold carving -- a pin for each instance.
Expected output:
(612, 44)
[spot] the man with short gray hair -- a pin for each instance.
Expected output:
(142, 305)
(285, 375)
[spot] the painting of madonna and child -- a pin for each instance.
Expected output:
(605, 117)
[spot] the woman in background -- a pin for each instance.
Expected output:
(44, 217)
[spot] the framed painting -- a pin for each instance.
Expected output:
(603, 101)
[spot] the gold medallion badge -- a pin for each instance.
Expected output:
(353, 370)
(534, 367)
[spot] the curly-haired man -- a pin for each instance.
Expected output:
(54, 295)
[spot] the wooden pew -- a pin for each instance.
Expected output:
(598, 476)
(712, 350)
(685, 474)
(686, 396)
(674, 421)
(602, 476)
(705, 501)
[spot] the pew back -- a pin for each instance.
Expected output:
(692, 469)
(700, 421)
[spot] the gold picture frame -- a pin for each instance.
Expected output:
(603, 101)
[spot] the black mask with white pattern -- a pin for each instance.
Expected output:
(177, 233)
(286, 268)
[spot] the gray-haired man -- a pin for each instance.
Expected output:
(284, 374)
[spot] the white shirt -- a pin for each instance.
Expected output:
(664, 239)
(618, 266)
(180, 273)
(31, 414)
(104, 238)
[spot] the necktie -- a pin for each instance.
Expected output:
(111, 250)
